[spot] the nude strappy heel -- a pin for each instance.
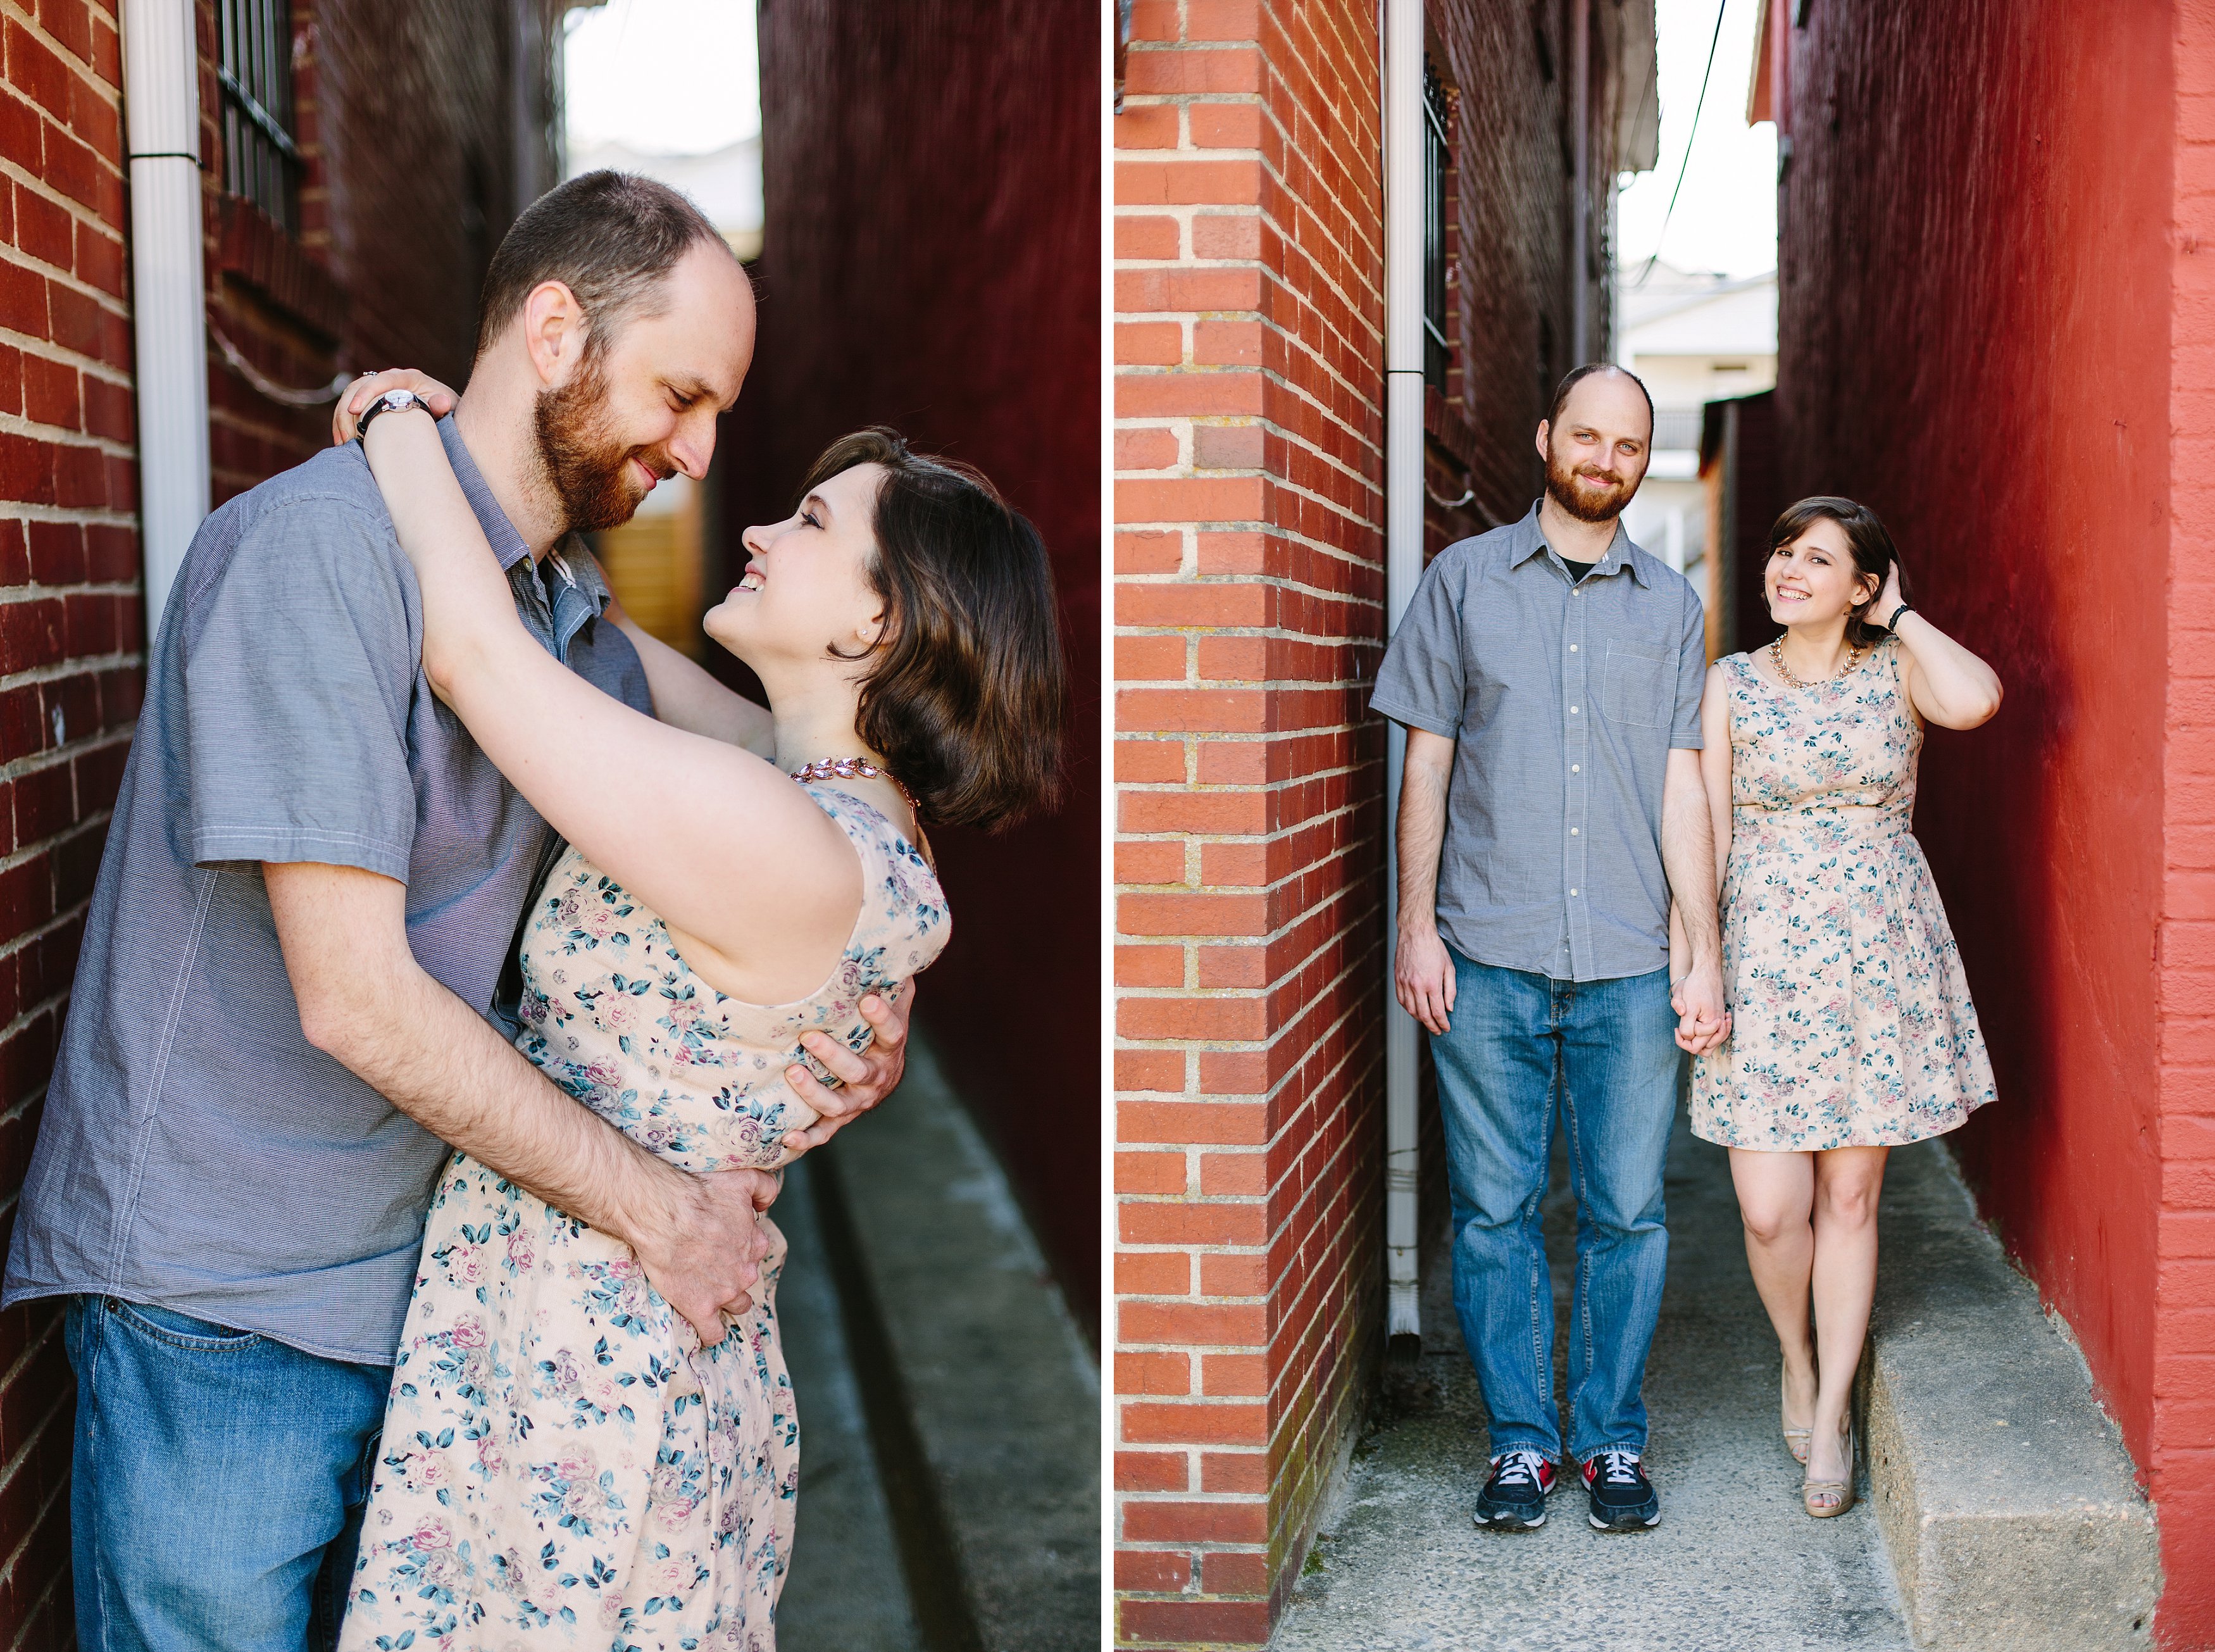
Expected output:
(1814, 1494)
(1796, 1439)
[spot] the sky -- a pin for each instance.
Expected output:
(667, 77)
(1726, 217)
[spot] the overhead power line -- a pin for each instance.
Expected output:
(1686, 165)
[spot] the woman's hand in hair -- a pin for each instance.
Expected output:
(1887, 600)
(366, 389)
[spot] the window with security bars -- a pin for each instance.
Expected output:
(1435, 105)
(260, 158)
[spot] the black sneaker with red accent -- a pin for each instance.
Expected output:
(1622, 1498)
(1514, 1495)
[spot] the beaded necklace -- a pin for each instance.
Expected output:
(1776, 659)
(849, 768)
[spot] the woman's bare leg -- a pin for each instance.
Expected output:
(1846, 1183)
(1776, 1202)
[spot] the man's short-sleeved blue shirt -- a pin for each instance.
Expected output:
(196, 1150)
(1564, 698)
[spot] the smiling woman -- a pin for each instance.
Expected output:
(967, 703)
(666, 995)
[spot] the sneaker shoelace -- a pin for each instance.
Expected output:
(1618, 1468)
(1519, 1469)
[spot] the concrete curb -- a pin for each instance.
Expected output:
(2008, 1506)
(985, 1399)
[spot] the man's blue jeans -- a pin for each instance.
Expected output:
(217, 1483)
(1518, 1043)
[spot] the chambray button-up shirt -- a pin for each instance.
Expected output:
(196, 1152)
(1564, 700)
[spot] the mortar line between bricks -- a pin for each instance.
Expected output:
(1335, 553)
(86, 516)
(31, 1531)
(1268, 375)
(31, 262)
(23, 1360)
(16, 424)
(69, 59)
(88, 217)
(62, 356)
(114, 378)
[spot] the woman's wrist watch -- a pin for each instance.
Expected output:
(390, 402)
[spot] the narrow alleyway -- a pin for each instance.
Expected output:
(948, 1405)
(1735, 1565)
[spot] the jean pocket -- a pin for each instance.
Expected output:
(1636, 688)
(179, 1330)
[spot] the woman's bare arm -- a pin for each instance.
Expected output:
(687, 696)
(718, 842)
(1946, 682)
(1715, 765)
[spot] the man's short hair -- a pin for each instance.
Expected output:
(1578, 377)
(610, 237)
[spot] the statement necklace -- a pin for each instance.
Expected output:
(1776, 659)
(850, 768)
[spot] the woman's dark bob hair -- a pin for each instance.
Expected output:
(1874, 555)
(965, 700)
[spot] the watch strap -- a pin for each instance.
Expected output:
(396, 401)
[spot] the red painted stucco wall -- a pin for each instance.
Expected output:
(1994, 330)
(931, 260)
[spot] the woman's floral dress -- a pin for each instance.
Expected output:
(564, 1464)
(1851, 1019)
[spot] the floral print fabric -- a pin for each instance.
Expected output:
(1851, 1023)
(564, 1464)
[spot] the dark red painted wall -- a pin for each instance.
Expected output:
(1975, 336)
(931, 260)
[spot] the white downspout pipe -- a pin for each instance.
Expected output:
(162, 116)
(1405, 189)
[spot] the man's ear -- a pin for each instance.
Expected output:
(554, 329)
(1545, 431)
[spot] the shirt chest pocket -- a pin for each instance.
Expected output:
(1636, 687)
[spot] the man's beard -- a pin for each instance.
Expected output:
(588, 470)
(1561, 487)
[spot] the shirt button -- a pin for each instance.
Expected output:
(1572, 648)
(1573, 711)
(1576, 768)
(1573, 831)
(1572, 892)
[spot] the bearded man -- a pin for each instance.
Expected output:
(1549, 674)
(285, 1020)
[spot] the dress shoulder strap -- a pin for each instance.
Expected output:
(903, 916)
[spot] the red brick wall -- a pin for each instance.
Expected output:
(931, 259)
(406, 125)
(1247, 618)
(2046, 308)
(394, 202)
(68, 678)
(1507, 199)
(2181, 1437)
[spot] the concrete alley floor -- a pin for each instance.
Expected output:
(948, 1405)
(1735, 1565)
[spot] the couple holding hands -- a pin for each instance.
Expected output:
(1612, 851)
